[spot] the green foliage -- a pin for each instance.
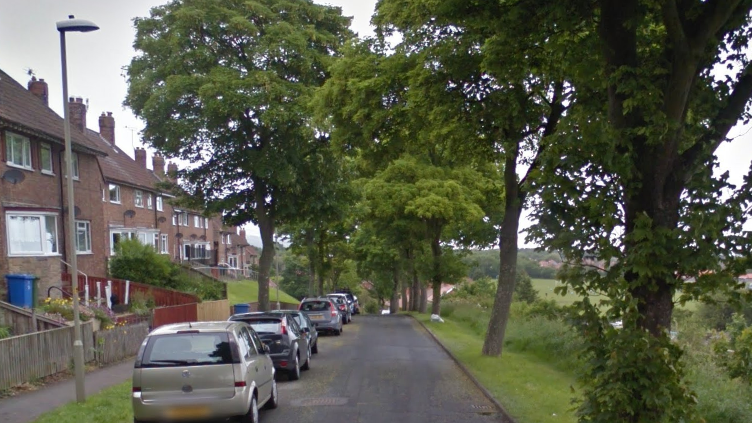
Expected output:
(5, 332)
(372, 307)
(717, 310)
(141, 263)
(295, 277)
(734, 349)
(141, 304)
(523, 288)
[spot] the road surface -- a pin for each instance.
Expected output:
(383, 369)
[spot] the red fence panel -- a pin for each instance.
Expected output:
(175, 314)
(162, 297)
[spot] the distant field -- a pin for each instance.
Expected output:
(545, 288)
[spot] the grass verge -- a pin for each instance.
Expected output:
(530, 388)
(108, 406)
(247, 292)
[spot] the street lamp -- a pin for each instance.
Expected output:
(73, 25)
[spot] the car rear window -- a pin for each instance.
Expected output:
(315, 306)
(265, 326)
(187, 349)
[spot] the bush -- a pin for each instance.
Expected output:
(733, 350)
(717, 311)
(138, 262)
(523, 288)
(5, 332)
(371, 307)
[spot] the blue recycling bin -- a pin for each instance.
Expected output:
(241, 308)
(20, 290)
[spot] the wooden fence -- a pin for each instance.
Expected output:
(29, 357)
(175, 314)
(21, 321)
(209, 311)
(162, 297)
(273, 304)
(116, 344)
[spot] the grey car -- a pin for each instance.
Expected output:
(306, 324)
(340, 300)
(205, 370)
(323, 313)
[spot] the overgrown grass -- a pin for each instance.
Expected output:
(247, 292)
(526, 379)
(111, 405)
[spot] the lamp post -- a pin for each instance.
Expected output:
(73, 25)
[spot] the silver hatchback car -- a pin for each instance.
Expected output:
(205, 370)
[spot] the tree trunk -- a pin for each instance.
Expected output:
(394, 303)
(497, 324)
(311, 263)
(266, 228)
(436, 278)
(423, 298)
(415, 286)
(405, 300)
(320, 264)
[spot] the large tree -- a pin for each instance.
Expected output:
(226, 86)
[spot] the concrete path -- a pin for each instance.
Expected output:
(383, 369)
(28, 406)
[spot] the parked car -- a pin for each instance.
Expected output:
(352, 299)
(202, 370)
(305, 323)
(324, 314)
(287, 341)
(340, 300)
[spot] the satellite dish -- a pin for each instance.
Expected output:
(76, 210)
(14, 176)
(129, 213)
(162, 219)
(202, 237)
(178, 235)
(193, 236)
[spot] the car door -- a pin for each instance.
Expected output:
(254, 364)
(268, 373)
(302, 340)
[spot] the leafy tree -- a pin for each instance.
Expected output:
(295, 276)
(226, 86)
(523, 288)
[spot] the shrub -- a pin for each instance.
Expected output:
(63, 309)
(138, 262)
(733, 351)
(372, 307)
(141, 304)
(523, 288)
(5, 332)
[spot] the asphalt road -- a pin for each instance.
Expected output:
(383, 369)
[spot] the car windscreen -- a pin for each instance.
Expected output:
(315, 306)
(265, 326)
(187, 349)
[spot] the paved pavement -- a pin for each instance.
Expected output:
(28, 406)
(383, 369)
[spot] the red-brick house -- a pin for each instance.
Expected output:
(33, 232)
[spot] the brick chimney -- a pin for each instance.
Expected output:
(172, 171)
(158, 162)
(77, 110)
(39, 89)
(107, 127)
(242, 233)
(141, 157)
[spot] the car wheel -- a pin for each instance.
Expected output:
(252, 415)
(307, 364)
(294, 374)
(315, 348)
(274, 400)
(338, 333)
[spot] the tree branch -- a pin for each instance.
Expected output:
(721, 124)
(674, 25)
(712, 18)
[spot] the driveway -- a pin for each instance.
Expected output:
(383, 369)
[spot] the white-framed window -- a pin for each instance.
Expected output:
(163, 245)
(149, 204)
(83, 237)
(196, 221)
(114, 193)
(232, 261)
(104, 195)
(45, 158)
(184, 219)
(75, 167)
(138, 196)
(174, 219)
(18, 150)
(32, 234)
(228, 239)
(206, 222)
(160, 206)
(117, 235)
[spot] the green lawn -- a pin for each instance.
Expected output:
(111, 405)
(530, 389)
(247, 292)
(545, 288)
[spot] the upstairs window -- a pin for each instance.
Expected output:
(18, 150)
(160, 206)
(138, 198)
(114, 193)
(149, 204)
(45, 157)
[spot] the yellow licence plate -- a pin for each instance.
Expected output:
(317, 317)
(188, 412)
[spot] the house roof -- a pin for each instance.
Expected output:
(118, 166)
(25, 112)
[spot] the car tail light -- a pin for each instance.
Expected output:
(240, 384)
(334, 310)
(341, 306)
(284, 328)
(136, 389)
(283, 363)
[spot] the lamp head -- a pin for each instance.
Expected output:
(76, 25)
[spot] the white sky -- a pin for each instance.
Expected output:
(29, 40)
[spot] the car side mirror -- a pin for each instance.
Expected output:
(307, 330)
(266, 349)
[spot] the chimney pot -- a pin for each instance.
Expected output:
(77, 110)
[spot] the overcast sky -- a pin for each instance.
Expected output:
(29, 40)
